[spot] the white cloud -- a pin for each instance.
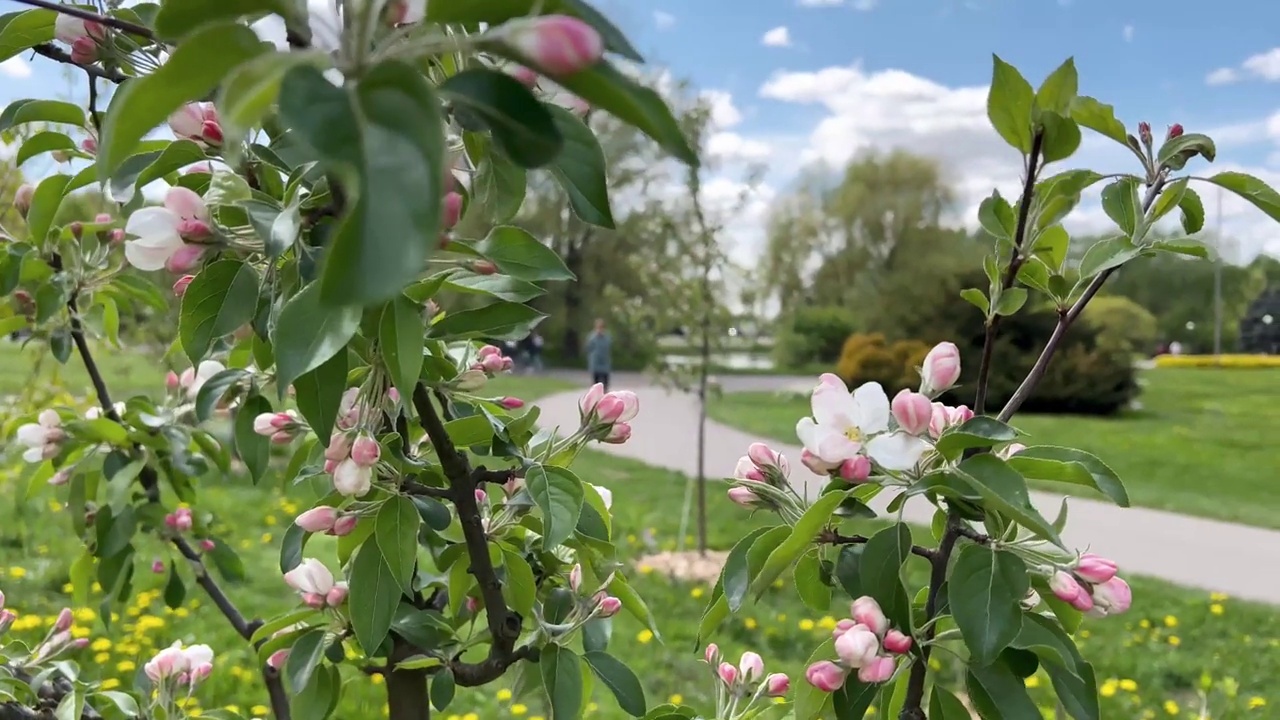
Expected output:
(1222, 76)
(16, 67)
(1127, 33)
(732, 147)
(724, 114)
(777, 37)
(663, 20)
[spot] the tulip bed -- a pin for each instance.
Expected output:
(1200, 444)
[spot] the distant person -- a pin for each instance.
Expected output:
(599, 354)
(1175, 348)
(535, 352)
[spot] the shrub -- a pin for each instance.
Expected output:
(813, 335)
(1122, 325)
(1084, 377)
(1239, 362)
(871, 358)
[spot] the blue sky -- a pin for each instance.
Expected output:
(809, 81)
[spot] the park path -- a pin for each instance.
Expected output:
(1212, 555)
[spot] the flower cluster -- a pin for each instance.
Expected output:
(1092, 586)
(43, 438)
(175, 671)
(741, 688)
(489, 362)
(173, 236)
(351, 454)
(180, 520)
(81, 35)
(281, 427)
(862, 642)
(316, 585)
(757, 471)
(606, 416)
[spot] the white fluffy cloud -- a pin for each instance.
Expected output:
(1262, 66)
(663, 20)
(1222, 76)
(777, 37)
(1127, 33)
(16, 67)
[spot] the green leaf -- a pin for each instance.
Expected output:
(43, 142)
(944, 705)
(502, 287)
(633, 603)
(604, 87)
(304, 657)
(977, 298)
(388, 135)
(880, 573)
(809, 585)
(1005, 491)
(1009, 104)
(253, 449)
(214, 389)
(443, 687)
(1011, 301)
(291, 547)
(20, 31)
(396, 532)
(400, 337)
(798, 541)
(44, 206)
(319, 394)
(499, 188)
(20, 112)
(308, 333)
(1169, 198)
(141, 170)
(470, 430)
(996, 216)
(558, 494)
(562, 679)
(319, 698)
(853, 698)
(997, 693)
(985, 590)
(221, 298)
(1121, 203)
(1073, 679)
(1184, 246)
(1175, 153)
(1250, 188)
(1099, 117)
(177, 19)
(519, 123)
(194, 69)
(374, 596)
(227, 561)
(520, 255)
(736, 574)
(501, 320)
(623, 683)
(1100, 476)
(252, 89)
(497, 12)
(1059, 89)
(1192, 211)
(1107, 254)
(518, 587)
(1061, 137)
(121, 701)
(580, 170)
(976, 432)
(101, 430)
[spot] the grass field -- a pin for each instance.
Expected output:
(1151, 663)
(1202, 444)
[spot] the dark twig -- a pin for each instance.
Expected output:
(913, 709)
(92, 16)
(832, 537)
(224, 604)
(1065, 318)
(1011, 274)
(53, 52)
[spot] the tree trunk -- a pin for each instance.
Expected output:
(407, 697)
(570, 341)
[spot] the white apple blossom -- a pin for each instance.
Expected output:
(844, 425)
(311, 576)
(41, 437)
(192, 379)
(158, 231)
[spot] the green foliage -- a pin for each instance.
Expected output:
(871, 358)
(812, 336)
(1123, 326)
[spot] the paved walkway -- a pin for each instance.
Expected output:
(1212, 555)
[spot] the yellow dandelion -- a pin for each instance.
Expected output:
(110, 683)
(1217, 597)
(471, 716)
(266, 538)
(17, 573)
(376, 680)
(1144, 623)
(1171, 707)
(536, 717)
(644, 636)
(504, 695)
(750, 623)
(1217, 609)
(519, 709)
(270, 520)
(696, 593)
(126, 666)
(1032, 682)
(1128, 685)
(1256, 702)
(85, 615)
(1108, 688)
(807, 624)
(68, 587)
(259, 710)
(1084, 633)
(102, 658)
(645, 569)
(1174, 640)
(676, 699)
(100, 645)
(827, 623)
(232, 708)
(782, 617)
(1170, 621)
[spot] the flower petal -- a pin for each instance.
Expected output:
(153, 222)
(186, 203)
(831, 446)
(870, 408)
(897, 451)
(32, 435)
(33, 455)
(832, 404)
(153, 252)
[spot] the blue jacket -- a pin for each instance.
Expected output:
(598, 352)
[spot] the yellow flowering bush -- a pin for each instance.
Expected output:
(1243, 362)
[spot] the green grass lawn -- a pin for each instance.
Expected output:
(1203, 442)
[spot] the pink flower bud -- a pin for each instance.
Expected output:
(90, 145)
(728, 673)
(345, 524)
(472, 605)
(1175, 130)
(941, 369)
(766, 457)
(843, 627)
(336, 595)
(171, 380)
(589, 400)
(825, 675)
(747, 470)
(712, 654)
(913, 411)
(365, 451)
(1095, 568)
(6, 620)
(752, 667)
(491, 364)
(187, 121)
(897, 643)
(507, 364)
(1112, 597)
(527, 77)
(317, 519)
(84, 51)
(1068, 590)
(610, 606)
(180, 286)
(79, 643)
(314, 601)
(352, 479)
(194, 230)
(1144, 132)
(277, 659)
(961, 415)
(60, 478)
(22, 198)
(185, 259)
(207, 545)
(481, 496)
(555, 44)
(878, 670)
(264, 424)
(575, 578)
(815, 464)
(511, 403)
(116, 236)
(777, 685)
(339, 448)
(158, 567)
(866, 611)
(77, 229)
(855, 469)
(744, 497)
(63, 623)
(211, 133)
(618, 434)
(484, 267)
(452, 210)
(488, 351)
(330, 466)
(857, 647)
